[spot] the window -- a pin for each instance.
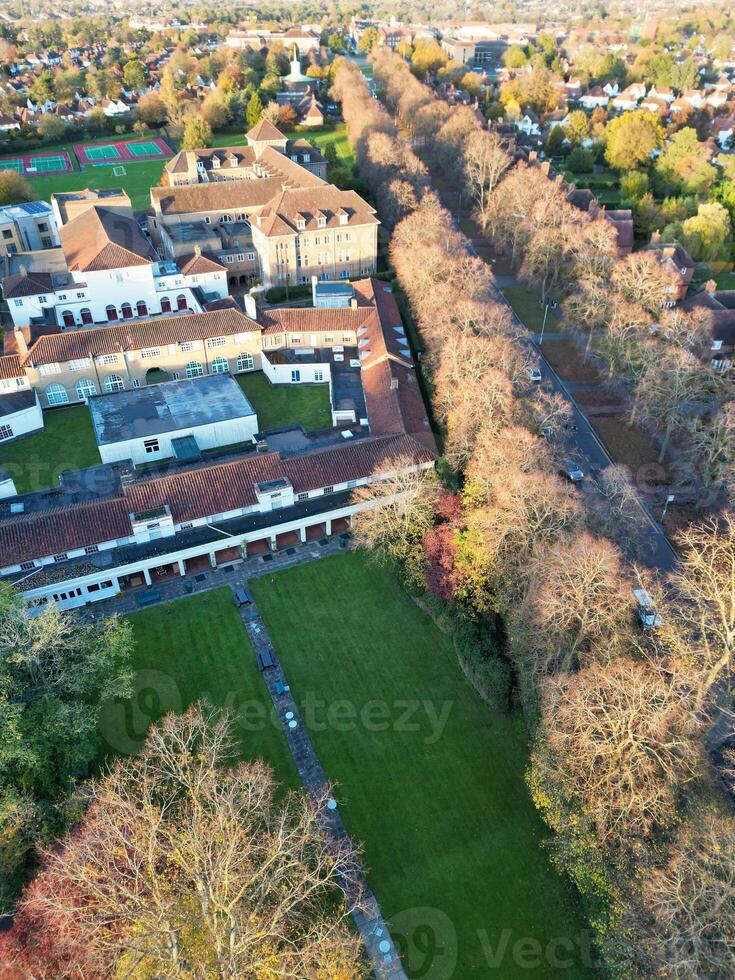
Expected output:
(319, 375)
(295, 338)
(229, 259)
(136, 382)
(126, 310)
(216, 342)
(176, 376)
(109, 358)
(245, 361)
(220, 365)
(186, 525)
(113, 382)
(240, 257)
(62, 556)
(45, 241)
(296, 376)
(86, 315)
(80, 295)
(150, 352)
(141, 308)
(181, 303)
(300, 224)
(328, 490)
(18, 302)
(6, 432)
(301, 497)
(43, 226)
(26, 566)
(351, 484)
(79, 364)
(165, 305)
(56, 395)
(251, 256)
(7, 232)
(151, 445)
(186, 345)
(111, 313)
(91, 549)
(49, 369)
(68, 318)
(194, 369)
(85, 389)
(207, 220)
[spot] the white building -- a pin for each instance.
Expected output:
(20, 414)
(27, 227)
(178, 419)
(113, 273)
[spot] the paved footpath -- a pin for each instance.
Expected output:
(367, 915)
(366, 911)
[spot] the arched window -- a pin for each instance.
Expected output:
(86, 315)
(111, 313)
(85, 388)
(194, 369)
(181, 302)
(113, 382)
(245, 362)
(68, 318)
(220, 365)
(56, 395)
(127, 311)
(141, 308)
(165, 305)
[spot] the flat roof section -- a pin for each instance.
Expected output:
(167, 407)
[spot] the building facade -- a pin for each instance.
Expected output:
(27, 227)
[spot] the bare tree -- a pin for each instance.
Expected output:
(620, 738)
(692, 901)
(185, 865)
(642, 278)
(485, 162)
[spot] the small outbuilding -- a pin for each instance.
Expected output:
(176, 418)
(20, 414)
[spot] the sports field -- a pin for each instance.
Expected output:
(117, 152)
(28, 166)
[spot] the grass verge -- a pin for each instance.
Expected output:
(281, 405)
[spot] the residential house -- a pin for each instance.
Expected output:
(27, 227)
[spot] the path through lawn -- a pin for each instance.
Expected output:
(428, 778)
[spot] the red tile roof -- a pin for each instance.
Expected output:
(26, 284)
(100, 239)
(10, 366)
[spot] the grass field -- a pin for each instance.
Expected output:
(428, 778)
(726, 280)
(66, 443)
(138, 180)
(197, 649)
(527, 308)
(282, 405)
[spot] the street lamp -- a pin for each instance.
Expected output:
(543, 325)
(669, 500)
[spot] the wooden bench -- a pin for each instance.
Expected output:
(147, 598)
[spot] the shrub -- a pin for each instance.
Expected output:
(580, 161)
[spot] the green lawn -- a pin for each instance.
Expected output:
(527, 308)
(190, 650)
(66, 443)
(282, 405)
(725, 280)
(452, 843)
(138, 180)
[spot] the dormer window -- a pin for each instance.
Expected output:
(321, 221)
(215, 162)
(301, 223)
(716, 345)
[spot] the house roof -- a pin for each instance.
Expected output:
(281, 215)
(264, 130)
(27, 284)
(194, 493)
(101, 238)
(57, 348)
(10, 367)
(198, 264)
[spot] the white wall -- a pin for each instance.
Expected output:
(280, 374)
(212, 436)
(24, 421)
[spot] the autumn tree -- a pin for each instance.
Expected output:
(151, 109)
(643, 278)
(189, 863)
(197, 133)
(691, 899)
(485, 162)
(14, 189)
(395, 510)
(631, 139)
(618, 738)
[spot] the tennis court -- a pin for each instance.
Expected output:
(125, 151)
(55, 163)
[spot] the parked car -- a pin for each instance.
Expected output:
(645, 610)
(532, 372)
(570, 471)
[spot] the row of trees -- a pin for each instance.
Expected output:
(663, 355)
(616, 716)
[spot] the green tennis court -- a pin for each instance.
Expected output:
(148, 149)
(16, 165)
(106, 152)
(47, 165)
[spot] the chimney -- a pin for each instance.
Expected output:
(20, 341)
(197, 250)
(353, 303)
(251, 307)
